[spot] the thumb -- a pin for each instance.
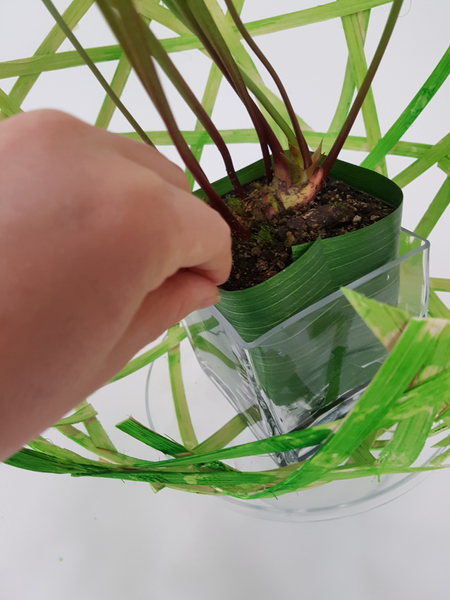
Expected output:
(178, 296)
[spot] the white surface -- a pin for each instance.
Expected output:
(90, 539)
(119, 541)
(87, 539)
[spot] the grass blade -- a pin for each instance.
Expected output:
(434, 211)
(226, 434)
(353, 472)
(248, 136)
(105, 85)
(435, 153)
(308, 16)
(386, 322)
(412, 402)
(44, 449)
(411, 112)
(412, 432)
(152, 10)
(364, 87)
(436, 308)
(96, 431)
(185, 426)
(409, 438)
(81, 414)
(8, 105)
(85, 442)
(384, 390)
(34, 65)
(151, 438)
(355, 42)
(282, 443)
(208, 101)
(40, 462)
(173, 338)
(118, 83)
(440, 285)
(444, 164)
(72, 15)
(348, 86)
(317, 14)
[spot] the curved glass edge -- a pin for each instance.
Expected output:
(328, 513)
(392, 488)
(258, 509)
(424, 247)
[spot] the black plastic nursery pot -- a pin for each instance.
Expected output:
(292, 348)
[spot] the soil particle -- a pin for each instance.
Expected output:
(336, 210)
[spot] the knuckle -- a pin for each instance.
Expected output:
(40, 131)
(181, 178)
(223, 229)
(177, 176)
(46, 121)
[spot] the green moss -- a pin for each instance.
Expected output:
(235, 204)
(265, 236)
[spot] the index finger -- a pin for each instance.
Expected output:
(203, 238)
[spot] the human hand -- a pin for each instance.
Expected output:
(102, 248)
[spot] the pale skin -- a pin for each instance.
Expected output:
(102, 248)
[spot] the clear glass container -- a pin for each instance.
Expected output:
(314, 366)
(210, 410)
(308, 344)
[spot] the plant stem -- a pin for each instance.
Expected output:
(129, 28)
(212, 86)
(209, 98)
(303, 146)
(204, 27)
(337, 146)
(191, 100)
(354, 35)
(87, 59)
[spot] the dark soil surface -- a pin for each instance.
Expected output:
(336, 210)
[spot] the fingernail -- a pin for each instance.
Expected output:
(209, 301)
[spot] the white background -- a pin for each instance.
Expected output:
(102, 539)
